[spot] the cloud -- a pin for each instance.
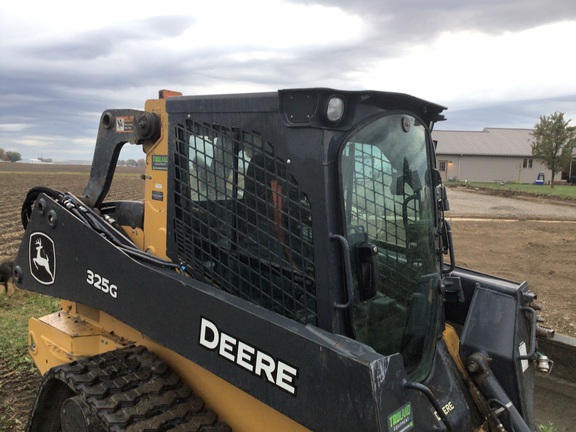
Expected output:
(101, 43)
(13, 127)
(65, 62)
(420, 19)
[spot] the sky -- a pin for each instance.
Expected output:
(493, 63)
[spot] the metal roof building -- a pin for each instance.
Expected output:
(493, 154)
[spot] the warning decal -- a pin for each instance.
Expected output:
(125, 124)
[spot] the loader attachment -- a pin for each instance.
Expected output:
(498, 343)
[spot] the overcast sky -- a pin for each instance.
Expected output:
(494, 63)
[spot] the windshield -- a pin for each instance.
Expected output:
(389, 211)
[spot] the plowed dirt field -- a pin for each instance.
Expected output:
(16, 179)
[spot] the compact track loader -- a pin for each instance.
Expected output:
(289, 268)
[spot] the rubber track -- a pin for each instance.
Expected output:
(131, 389)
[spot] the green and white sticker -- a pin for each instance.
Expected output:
(401, 420)
(160, 162)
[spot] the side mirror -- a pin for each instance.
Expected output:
(366, 269)
(436, 177)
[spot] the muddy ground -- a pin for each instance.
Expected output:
(543, 253)
(521, 239)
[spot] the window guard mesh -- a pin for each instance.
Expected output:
(242, 220)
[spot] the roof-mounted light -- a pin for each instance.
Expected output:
(335, 109)
(318, 107)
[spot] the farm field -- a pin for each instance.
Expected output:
(18, 378)
(543, 253)
(17, 179)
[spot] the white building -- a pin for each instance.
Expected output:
(490, 155)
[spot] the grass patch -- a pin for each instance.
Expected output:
(547, 428)
(14, 314)
(6, 424)
(559, 191)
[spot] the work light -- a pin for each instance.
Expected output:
(335, 109)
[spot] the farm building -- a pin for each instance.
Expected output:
(493, 154)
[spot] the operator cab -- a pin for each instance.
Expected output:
(272, 201)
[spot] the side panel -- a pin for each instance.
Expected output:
(297, 368)
(156, 185)
(63, 337)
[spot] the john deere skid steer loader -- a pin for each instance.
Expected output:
(289, 268)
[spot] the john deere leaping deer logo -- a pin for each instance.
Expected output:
(42, 258)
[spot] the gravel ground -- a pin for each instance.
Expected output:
(520, 239)
(471, 203)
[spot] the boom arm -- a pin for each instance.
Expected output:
(117, 127)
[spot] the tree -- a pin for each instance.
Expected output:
(553, 143)
(2, 154)
(13, 156)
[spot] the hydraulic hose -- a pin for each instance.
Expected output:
(96, 222)
(428, 393)
(477, 365)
